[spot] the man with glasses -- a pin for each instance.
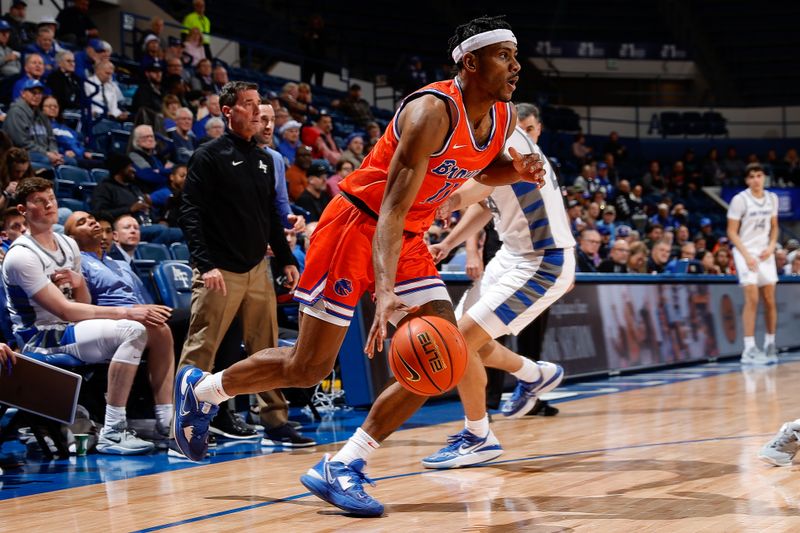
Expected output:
(617, 260)
(587, 252)
(64, 84)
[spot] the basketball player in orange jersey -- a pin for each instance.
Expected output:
(370, 238)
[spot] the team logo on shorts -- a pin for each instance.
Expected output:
(343, 287)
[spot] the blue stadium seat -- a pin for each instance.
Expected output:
(179, 251)
(72, 203)
(73, 174)
(693, 123)
(173, 280)
(152, 251)
(98, 174)
(118, 141)
(671, 123)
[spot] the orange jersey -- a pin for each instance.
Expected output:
(459, 159)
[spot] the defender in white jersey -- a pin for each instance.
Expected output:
(753, 230)
(49, 306)
(534, 267)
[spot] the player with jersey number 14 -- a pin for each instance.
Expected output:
(753, 230)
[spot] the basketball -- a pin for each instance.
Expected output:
(428, 355)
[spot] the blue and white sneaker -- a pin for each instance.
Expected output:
(342, 485)
(192, 417)
(465, 449)
(523, 399)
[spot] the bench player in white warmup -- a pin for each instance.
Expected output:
(753, 230)
(534, 267)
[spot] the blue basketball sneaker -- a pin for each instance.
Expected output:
(342, 485)
(523, 398)
(192, 417)
(465, 449)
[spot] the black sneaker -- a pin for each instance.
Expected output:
(229, 424)
(286, 436)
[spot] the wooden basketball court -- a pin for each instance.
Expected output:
(670, 451)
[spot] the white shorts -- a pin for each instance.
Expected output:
(93, 341)
(765, 274)
(514, 290)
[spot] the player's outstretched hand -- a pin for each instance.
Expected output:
(530, 167)
(385, 307)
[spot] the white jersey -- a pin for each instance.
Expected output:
(27, 269)
(755, 216)
(528, 218)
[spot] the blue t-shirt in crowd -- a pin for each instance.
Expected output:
(112, 283)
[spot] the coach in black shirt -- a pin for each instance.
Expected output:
(228, 216)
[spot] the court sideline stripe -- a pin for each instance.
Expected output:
(418, 473)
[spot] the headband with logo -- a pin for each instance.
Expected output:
(480, 40)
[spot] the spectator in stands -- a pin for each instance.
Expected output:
(212, 104)
(118, 194)
(201, 80)
(193, 49)
(173, 49)
(167, 200)
(175, 68)
(355, 107)
(69, 142)
(706, 259)
(617, 260)
(53, 317)
(156, 29)
(126, 238)
(263, 138)
(614, 147)
(654, 182)
(663, 217)
(343, 168)
(198, 19)
(795, 266)
(215, 127)
(43, 46)
(169, 111)
(659, 256)
(289, 99)
(692, 169)
(373, 134)
(592, 215)
(781, 261)
(637, 260)
(9, 58)
(354, 153)
(580, 151)
(64, 84)
(608, 222)
(413, 76)
(290, 141)
(772, 167)
(151, 53)
(314, 45)
(220, 75)
(87, 59)
(655, 232)
(713, 174)
(707, 231)
(296, 174)
(791, 166)
(315, 197)
(21, 33)
(733, 167)
(30, 129)
(183, 140)
(106, 234)
(34, 70)
(151, 172)
(106, 97)
(148, 96)
(14, 225)
(281, 117)
(319, 137)
(16, 166)
(587, 252)
(75, 26)
(625, 207)
(722, 258)
(114, 284)
(174, 85)
(574, 213)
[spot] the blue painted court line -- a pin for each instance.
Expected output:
(423, 472)
(74, 472)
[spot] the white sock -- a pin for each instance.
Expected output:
(164, 412)
(529, 372)
(479, 428)
(769, 338)
(210, 389)
(749, 342)
(114, 417)
(359, 446)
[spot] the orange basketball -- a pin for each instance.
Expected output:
(428, 355)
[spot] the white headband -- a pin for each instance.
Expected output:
(482, 39)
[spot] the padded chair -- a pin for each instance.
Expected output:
(179, 251)
(73, 174)
(118, 141)
(98, 174)
(72, 203)
(173, 279)
(671, 123)
(152, 251)
(716, 124)
(694, 124)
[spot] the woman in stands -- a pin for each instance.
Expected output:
(169, 108)
(193, 51)
(16, 165)
(354, 153)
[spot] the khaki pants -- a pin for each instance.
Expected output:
(251, 296)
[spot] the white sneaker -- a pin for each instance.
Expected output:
(782, 448)
(771, 353)
(120, 440)
(754, 356)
